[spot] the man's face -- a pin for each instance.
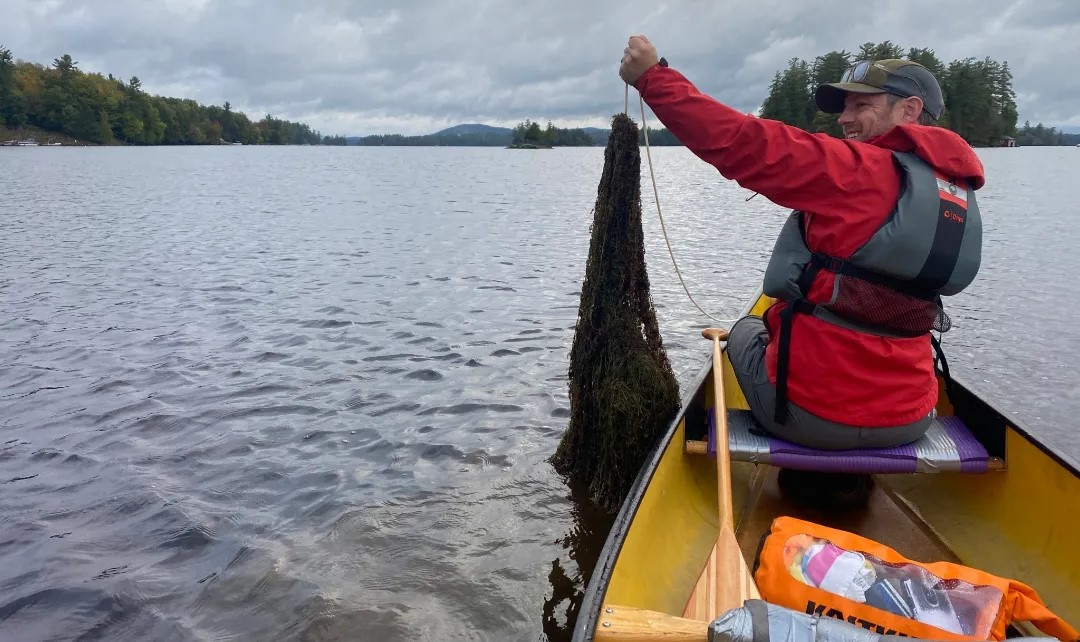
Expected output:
(867, 116)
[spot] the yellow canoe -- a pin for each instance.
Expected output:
(1017, 517)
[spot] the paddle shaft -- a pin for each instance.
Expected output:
(723, 457)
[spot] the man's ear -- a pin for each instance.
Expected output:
(913, 107)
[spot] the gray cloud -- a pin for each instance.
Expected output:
(415, 66)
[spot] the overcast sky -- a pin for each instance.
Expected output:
(408, 66)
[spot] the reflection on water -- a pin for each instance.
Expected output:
(581, 547)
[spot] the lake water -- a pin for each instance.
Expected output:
(308, 393)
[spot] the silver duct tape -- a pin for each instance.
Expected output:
(745, 445)
(936, 451)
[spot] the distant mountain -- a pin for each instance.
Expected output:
(473, 128)
(480, 135)
(599, 136)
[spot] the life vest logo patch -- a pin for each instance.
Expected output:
(951, 192)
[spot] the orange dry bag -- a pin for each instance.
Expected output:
(833, 573)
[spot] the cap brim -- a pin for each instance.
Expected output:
(830, 97)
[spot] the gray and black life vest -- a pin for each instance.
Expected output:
(929, 246)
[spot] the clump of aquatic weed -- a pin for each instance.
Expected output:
(623, 392)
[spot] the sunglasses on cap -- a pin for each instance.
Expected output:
(867, 72)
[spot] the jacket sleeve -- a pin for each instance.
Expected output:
(790, 167)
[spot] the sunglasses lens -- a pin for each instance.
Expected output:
(858, 72)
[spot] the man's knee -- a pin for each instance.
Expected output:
(746, 344)
(748, 327)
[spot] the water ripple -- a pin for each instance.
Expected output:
(310, 393)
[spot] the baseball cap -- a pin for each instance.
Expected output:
(895, 76)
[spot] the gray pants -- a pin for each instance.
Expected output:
(746, 350)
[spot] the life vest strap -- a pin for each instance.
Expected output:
(944, 364)
(912, 288)
(780, 410)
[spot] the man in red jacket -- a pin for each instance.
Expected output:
(884, 223)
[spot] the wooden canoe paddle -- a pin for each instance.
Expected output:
(734, 583)
(725, 582)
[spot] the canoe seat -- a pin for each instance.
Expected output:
(948, 446)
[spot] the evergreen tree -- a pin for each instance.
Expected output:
(533, 134)
(65, 65)
(12, 107)
(792, 99)
(927, 58)
(881, 51)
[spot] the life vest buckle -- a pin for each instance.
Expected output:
(830, 263)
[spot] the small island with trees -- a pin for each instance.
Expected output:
(528, 135)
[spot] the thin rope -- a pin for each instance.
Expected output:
(663, 228)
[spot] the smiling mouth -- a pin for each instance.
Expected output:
(853, 135)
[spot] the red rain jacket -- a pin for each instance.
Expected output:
(846, 189)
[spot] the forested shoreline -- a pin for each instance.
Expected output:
(103, 110)
(68, 104)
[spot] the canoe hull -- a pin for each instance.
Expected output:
(1019, 523)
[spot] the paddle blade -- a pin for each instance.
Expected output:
(725, 582)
